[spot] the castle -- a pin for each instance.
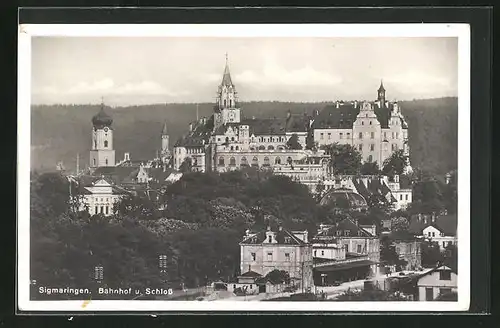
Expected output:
(228, 140)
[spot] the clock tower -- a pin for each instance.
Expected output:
(102, 152)
(226, 110)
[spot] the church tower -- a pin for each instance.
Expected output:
(381, 94)
(165, 150)
(226, 110)
(102, 152)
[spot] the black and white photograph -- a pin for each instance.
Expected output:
(210, 167)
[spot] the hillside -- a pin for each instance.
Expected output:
(59, 132)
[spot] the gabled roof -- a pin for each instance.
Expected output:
(260, 237)
(438, 268)
(198, 137)
(373, 187)
(251, 274)
(297, 123)
(344, 225)
(447, 224)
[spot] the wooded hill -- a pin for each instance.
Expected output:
(59, 132)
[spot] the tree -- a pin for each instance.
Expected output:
(399, 223)
(310, 144)
(278, 277)
(388, 254)
(293, 142)
(395, 163)
(345, 159)
(137, 207)
(370, 168)
(427, 197)
(430, 254)
(186, 165)
(320, 188)
(450, 257)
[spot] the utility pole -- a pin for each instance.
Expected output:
(77, 163)
(196, 112)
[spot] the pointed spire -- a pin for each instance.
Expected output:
(226, 78)
(164, 131)
(381, 86)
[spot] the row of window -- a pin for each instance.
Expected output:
(260, 139)
(401, 197)
(395, 135)
(270, 256)
(359, 250)
(102, 210)
(255, 161)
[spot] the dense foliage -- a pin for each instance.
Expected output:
(345, 159)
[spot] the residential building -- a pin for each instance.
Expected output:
(100, 197)
(439, 281)
(279, 249)
(435, 228)
(344, 252)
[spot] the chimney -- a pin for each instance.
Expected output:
(306, 236)
(190, 126)
(355, 104)
(337, 104)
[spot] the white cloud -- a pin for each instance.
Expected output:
(274, 75)
(420, 82)
(109, 87)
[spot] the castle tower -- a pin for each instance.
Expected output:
(225, 109)
(102, 152)
(381, 94)
(165, 149)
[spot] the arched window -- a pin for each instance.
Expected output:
(232, 148)
(221, 161)
(105, 143)
(224, 102)
(255, 161)
(370, 158)
(270, 147)
(93, 161)
(237, 148)
(289, 160)
(232, 161)
(281, 148)
(252, 148)
(106, 161)
(277, 160)
(230, 103)
(266, 161)
(243, 161)
(262, 147)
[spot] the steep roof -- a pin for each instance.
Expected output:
(251, 273)
(373, 187)
(260, 237)
(265, 126)
(297, 123)
(226, 77)
(444, 223)
(344, 225)
(344, 116)
(198, 137)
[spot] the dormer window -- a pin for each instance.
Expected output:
(270, 239)
(287, 240)
(347, 233)
(338, 232)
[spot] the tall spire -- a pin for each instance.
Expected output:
(164, 131)
(226, 78)
(381, 86)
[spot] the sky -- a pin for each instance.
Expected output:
(133, 71)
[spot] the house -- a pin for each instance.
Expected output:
(100, 197)
(438, 281)
(248, 283)
(344, 252)
(280, 249)
(435, 228)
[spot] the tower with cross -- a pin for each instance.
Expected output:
(226, 108)
(101, 151)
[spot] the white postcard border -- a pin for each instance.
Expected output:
(26, 32)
